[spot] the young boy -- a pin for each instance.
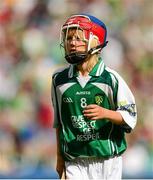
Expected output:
(93, 106)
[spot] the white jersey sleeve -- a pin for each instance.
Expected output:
(126, 105)
(54, 97)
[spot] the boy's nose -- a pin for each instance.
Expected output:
(73, 41)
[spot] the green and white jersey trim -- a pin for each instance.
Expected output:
(100, 68)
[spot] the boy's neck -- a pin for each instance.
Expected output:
(85, 67)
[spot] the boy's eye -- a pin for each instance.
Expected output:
(78, 38)
(70, 38)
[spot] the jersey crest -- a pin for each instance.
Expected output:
(98, 99)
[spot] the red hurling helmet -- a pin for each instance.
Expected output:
(92, 28)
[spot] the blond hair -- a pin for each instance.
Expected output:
(93, 58)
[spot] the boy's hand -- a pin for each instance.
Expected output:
(94, 112)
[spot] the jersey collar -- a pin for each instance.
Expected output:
(98, 68)
(72, 71)
(96, 71)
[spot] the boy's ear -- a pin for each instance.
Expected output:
(94, 42)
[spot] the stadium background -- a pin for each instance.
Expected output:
(30, 53)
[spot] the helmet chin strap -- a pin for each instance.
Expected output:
(76, 57)
(79, 57)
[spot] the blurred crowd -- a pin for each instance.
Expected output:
(30, 53)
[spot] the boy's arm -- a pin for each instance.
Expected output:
(95, 112)
(60, 165)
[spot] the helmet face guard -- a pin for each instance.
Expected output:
(91, 28)
(76, 58)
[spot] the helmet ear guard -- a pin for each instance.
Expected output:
(97, 48)
(92, 27)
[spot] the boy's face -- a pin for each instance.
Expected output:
(75, 41)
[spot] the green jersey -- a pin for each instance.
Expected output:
(79, 136)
